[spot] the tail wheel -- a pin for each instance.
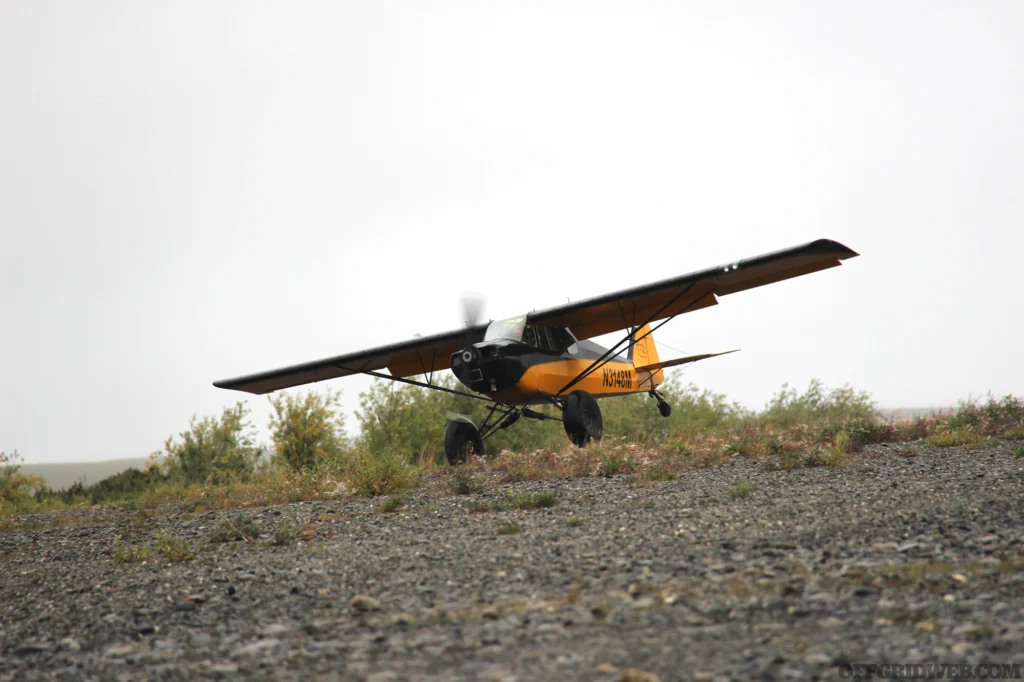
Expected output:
(461, 439)
(581, 417)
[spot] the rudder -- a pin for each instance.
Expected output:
(643, 352)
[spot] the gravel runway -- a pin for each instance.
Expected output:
(911, 555)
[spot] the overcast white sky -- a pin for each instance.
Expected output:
(195, 190)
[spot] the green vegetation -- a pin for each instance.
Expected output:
(286, 532)
(509, 529)
(174, 548)
(384, 473)
(741, 489)
(466, 482)
(212, 450)
(533, 500)
(962, 437)
(575, 522)
(1018, 452)
(307, 431)
(128, 554)
(215, 464)
(17, 490)
(390, 505)
(236, 527)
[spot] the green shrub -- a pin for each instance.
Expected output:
(1015, 434)
(17, 490)
(465, 482)
(232, 528)
(961, 437)
(213, 450)
(509, 529)
(741, 489)
(617, 462)
(386, 473)
(286, 532)
(818, 404)
(174, 548)
(540, 500)
(390, 505)
(575, 522)
(124, 554)
(307, 430)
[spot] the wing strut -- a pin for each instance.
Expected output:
(412, 382)
(606, 358)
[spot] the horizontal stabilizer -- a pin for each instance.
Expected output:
(681, 361)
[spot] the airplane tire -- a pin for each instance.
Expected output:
(581, 418)
(461, 439)
(664, 408)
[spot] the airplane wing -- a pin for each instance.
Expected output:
(651, 302)
(408, 358)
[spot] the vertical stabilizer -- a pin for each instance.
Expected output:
(642, 353)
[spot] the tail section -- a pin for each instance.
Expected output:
(643, 353)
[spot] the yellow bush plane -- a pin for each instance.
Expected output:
(546, 357)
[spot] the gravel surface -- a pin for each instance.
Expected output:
(913, 554)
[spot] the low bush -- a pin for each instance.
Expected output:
(960, 437)
(386, 473)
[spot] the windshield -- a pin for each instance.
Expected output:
(511, 329)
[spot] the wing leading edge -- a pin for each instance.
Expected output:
(408, 358)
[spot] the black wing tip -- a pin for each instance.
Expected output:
(832, 246)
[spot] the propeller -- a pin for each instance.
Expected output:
(472, 313)
(472, 309)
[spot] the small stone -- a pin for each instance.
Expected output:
(231, 590)
(382, 676)
(606, 669)
(70, 644)
(907, 546)
(817, 658)
(196, 598)
(31, 648)
(404, 619)
(223, 669)
(702, 677)
(959, 578)
(186, 606)
(362, 603)
(275, 629)
(119, 651)
(635, 675)
(961, 649)
(864, 591)
(146, 629)
(256, 648)
(490, 613)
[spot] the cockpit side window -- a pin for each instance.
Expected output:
(530, 335)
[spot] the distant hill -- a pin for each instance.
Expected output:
(64, 474)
